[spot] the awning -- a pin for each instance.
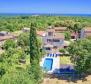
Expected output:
(53, 54)
(48, 45)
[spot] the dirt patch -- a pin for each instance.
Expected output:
(57, 81)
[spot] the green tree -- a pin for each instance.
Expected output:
(62, 51)
(67, 35)
(77, 27)
(35, 72)
(80, 53)
(23, 40)
(2, 71)
(34, 47)
(9, 44)
(18, 77)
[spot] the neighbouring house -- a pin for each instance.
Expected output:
(74, 35)
(5, 36)
(87, 31)
(39, 33)
(52, 40)
(3, 39)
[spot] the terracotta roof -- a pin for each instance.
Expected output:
(51, 30)
(41, 33)
(87, 34)
(87, 28)
(59, 35)
(2, 38)
(60, 28)
(74, 34)
(88, 31)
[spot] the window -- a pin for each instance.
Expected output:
(55, 47)
(48, 48)
(56, 40)
(50, 33)
(49, 40)
(65, 46)
(72, 37)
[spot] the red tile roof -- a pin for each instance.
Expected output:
(87, 28)
(74, 34)
(60, 29)
(87, 31)
(41, 33)
(59, 35)
(2, 38)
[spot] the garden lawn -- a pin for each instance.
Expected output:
(65, 60)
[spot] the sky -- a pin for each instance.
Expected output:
(46, 6)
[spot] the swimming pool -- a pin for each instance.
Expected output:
(48, 62)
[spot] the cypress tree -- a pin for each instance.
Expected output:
(34, 48)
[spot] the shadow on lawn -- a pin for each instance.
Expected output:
(67, 72)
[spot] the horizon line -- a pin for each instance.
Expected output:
(39, 13)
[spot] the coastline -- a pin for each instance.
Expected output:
(44, 14)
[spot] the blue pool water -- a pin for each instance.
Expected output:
(48, 62)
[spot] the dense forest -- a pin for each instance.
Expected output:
(13, 23)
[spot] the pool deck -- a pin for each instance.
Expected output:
(56, 63)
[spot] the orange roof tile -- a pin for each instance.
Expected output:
(59, 35)
(87, 28)
(40, 33)
(60, 28)
(74, 34)
(2, 38)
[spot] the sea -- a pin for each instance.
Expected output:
(43, 14)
